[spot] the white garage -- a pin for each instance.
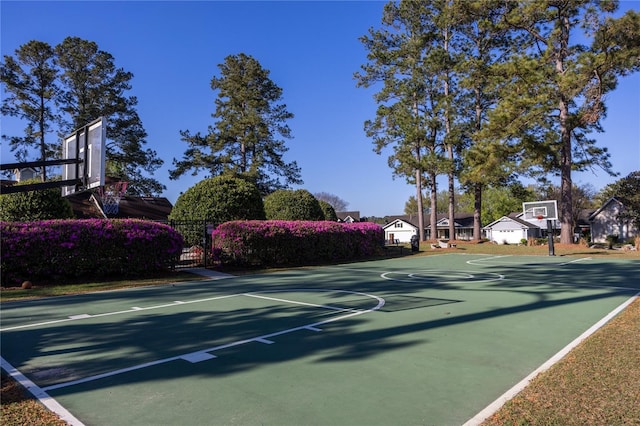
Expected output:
(510, 230)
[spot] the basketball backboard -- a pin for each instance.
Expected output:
(540, 210)
(89, 145)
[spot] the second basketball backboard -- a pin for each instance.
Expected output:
(540, 210)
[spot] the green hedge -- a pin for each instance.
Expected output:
(277, 242)
(55, 249)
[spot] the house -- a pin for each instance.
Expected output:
(463, 223)
(348, 217)
(607, 221)
(511, 230)
(26, 173)
(401, 229)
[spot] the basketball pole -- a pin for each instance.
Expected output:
(550, 236)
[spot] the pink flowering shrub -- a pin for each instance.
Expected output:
(85, 248)
(279, 242)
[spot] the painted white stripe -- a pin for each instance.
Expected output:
(40, 394)
(265, 341)
(486, 259)
(80, 316)
(275, 299)
(582, 259)
(498, 403)
(314, 329)
(198, 357)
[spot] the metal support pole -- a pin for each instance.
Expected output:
(550, 236)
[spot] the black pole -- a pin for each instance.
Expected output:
(550, 235)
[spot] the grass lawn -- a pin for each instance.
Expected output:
(598, 383)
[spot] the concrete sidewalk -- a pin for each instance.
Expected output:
(216, 275)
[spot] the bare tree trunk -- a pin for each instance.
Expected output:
(434, 207)
(477, 207)
(566, 205)
(420, 205)
(43, 146)
(447, 125)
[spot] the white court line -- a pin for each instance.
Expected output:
(202, 354)
(106, 314)
(40, 394)
(582, 259)
(498, 403)
(275, 299)
(485, 259)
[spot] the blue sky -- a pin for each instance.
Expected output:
(312, 51)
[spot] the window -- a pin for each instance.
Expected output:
(398, 225)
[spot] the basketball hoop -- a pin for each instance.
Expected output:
(540, 217)
(110, 196)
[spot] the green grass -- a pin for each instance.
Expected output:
(46, 289)
(598, 383)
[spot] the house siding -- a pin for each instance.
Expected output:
(605, 222)
(508, 230)
(399, 231)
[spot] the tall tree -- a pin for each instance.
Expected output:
(557, 85)
(486, 160)
(336, 202)
(411, 100)
(93, 87)
(249, 122)
(30, 81)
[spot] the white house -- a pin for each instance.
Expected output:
(399, 231)
(606, 221)
(26, 174)
(348, 217)
(511, 230)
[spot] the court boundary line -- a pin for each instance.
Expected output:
(520, 386)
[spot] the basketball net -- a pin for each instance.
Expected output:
(110, 196)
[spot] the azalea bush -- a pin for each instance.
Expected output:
(279, 242)
(85, 248)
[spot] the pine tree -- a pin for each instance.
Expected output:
(411, 101)
(93, 87)
(556, 88)
(245, 138)
(30, 81)
(485, 161)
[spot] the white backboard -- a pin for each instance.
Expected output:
(86, 144)
(540, 210)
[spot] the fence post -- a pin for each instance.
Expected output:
(205, 244)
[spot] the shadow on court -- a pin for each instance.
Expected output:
(450, 338)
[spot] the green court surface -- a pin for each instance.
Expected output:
(428, 340)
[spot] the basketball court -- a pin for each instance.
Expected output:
(422, 340)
